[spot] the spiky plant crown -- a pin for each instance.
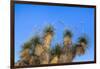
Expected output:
(36, 40)
(26, 45)
(83, 39)
(67, 33)
(25, 49)
(49, 30)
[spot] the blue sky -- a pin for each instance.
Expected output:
(30, 20)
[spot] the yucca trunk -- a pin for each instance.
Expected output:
(62, 58)
(79, 50)
(69, 57)
(38, 50)
(83, 41)
(32, 60)
(44, 58)
(47, 40)
(83, 45)
(67, 40)
(25, 54)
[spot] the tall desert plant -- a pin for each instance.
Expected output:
(83, 41)
(37, 50)
(67, 37)
(48, 34)
(81, 45)
(25, 53)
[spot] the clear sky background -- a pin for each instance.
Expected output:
(30, 20)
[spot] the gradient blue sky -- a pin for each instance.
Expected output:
(30, 20)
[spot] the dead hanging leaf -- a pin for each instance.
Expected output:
(54, 60)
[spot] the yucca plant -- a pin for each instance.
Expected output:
(67, 37)
(49, 30)
(66, 49)
(81, 45)
(70, 54)
(48, 34)
(79, 50)
(25, 53)
(37, 50)
(83, 41)
(67, 33)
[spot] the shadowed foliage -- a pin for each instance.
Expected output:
(49, 30)
(36, 40)
(67, 33)
(26, 45)
(57, 50)
(83, 39)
